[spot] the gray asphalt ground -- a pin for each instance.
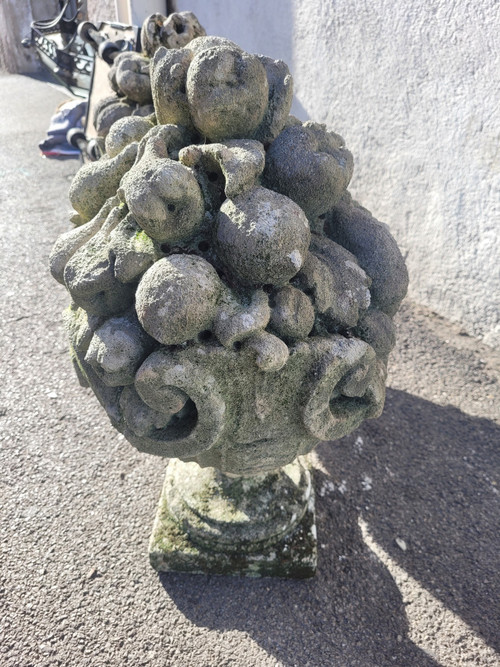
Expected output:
(407, 507)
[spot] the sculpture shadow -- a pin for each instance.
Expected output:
(352, 612)
(424, 474)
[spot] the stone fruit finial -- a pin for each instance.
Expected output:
(219, 230)
(173, 32)
(231, 305)
(129, 77)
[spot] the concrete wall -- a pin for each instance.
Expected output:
(15, 20)
(125, 11)
(414, 89)
(101, 10)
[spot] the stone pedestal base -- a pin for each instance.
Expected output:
(208, 522)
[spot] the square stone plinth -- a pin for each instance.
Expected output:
(293, 556)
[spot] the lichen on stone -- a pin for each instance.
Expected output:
(231, 305)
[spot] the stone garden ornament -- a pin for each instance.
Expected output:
(231, 305)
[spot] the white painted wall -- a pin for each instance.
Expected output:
(414, 89)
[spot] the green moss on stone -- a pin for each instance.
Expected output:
(172, 548)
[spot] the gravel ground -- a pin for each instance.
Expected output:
(407, 506)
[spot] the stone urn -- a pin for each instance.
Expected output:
(231, 305)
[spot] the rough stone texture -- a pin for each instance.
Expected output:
(280, 83)
(124, 132)
(259, 526)
(215, 87)
(353, 227)
(168, 82)
(377, 329)
(133, 251)
(108, 110)
(77, 500)
(97, 181)
(129, 77)
(162, 195)
(235, 320)
(173, 32)
(101, 10)
(311, 166)
(337, 284)
(426, 145)
(177, 297)
(117, 349)
(227, 92)
(69, 242)
(90, 277)
(235, 164)
(262, 237)
(292, 314)
(200, 44)
(251, 370)
(230, 334)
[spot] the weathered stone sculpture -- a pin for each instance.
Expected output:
(231, 305)
(129, 74)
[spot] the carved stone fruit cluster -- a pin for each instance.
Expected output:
(129, 74)
(231, 304)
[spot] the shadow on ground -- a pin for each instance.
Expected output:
(351, 613)
(423, 474)
(433, 473)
